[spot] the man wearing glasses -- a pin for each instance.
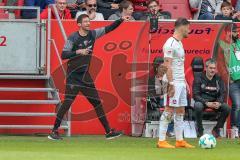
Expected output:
(91, 11)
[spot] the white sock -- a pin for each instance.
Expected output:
(178, 126)
(163, 125)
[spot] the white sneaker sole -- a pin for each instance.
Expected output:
(114, 137)
(49, 137)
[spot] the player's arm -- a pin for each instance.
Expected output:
(168, 52)
(168, 64)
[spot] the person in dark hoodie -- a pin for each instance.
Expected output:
(208, 92)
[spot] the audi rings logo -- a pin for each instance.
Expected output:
(111, 46)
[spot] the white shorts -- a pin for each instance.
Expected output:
(180, 97)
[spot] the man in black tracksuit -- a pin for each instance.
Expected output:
(78, 49)
(208, 92)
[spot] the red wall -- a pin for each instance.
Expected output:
(115, 55)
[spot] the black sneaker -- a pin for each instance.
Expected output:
(199, 133)
(216, 133)
(113, 134)
(54, 136)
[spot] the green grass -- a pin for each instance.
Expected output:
(97, 148)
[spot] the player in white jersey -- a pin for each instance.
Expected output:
(174, 56)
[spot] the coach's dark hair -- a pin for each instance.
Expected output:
(151, 1)
(210, 61)
(181, 22)
(81, 17)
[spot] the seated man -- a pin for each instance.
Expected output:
(91, 8)
(63, 12)
(207, 9)
(108, 7)
(126, 9)
(154, 10)
(76, 5)
(208, 92)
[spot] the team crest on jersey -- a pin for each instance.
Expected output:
(85, 42)
(169, 52)
(174, 101)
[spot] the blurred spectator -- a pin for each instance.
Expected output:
(227, 13)
(234, 88)
(140, 8)
(209, 92)
(154, 10)
(157, 93)
(207, 9)
(140, 5)
(91, 8)
(108, 7)
(44, 4)
(126, 9)
(237, 7)
(76, 5)
(63, 12)
(29, 13)
(11, 2)
(232, 59)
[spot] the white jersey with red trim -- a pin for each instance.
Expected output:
(174, 49)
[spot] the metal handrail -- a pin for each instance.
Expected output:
(62, 31)
(59, 58)
(59, 22)
(57, 52)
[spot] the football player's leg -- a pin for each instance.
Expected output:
(165, 119)
(163, 125)
(178, 123)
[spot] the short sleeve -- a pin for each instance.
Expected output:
(69, 43)
(168, 51)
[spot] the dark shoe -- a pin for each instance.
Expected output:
(113, 134)
(54, 136)
(216, 132)
(199, 133)
(170, 134)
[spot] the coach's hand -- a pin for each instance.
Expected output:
(210, 105)
(83, 51)
(217, 105)
(171, 90)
